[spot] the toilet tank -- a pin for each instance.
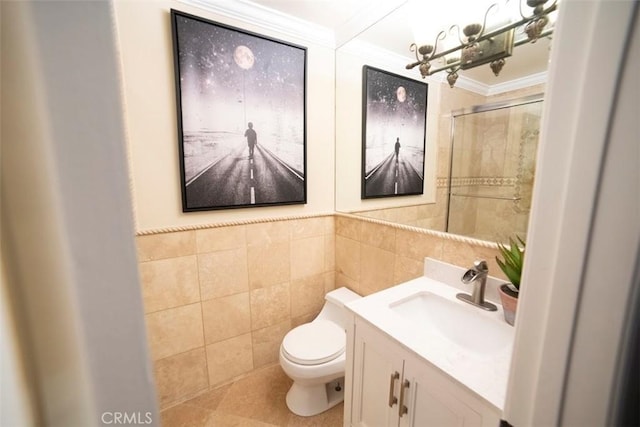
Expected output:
(333, 309)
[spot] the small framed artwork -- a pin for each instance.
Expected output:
(241, 116)
(394, 117)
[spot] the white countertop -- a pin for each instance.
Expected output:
(485, 373)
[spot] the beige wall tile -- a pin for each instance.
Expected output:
(268, 264)
(348, 227)
(307, 227)
(223, 273)
(348, 257)
(329, 252)
(380, 236)
(347, 282)
(229, 359)
(307, 257)
(417, 245)
(531, 90)
(166, 245)
(307, 295)
(169, 283)
(266, 233)
(407, 214)
(221, 238)
(175, 330)
(330, 225)
(464, 254)
(377, 269)
(266, 343)
(329, 281)
(297, 321)
(270, 305)
(181, 377)
(226, 317)
(406, 269)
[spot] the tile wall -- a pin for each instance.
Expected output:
(371, 257)
(218, 301)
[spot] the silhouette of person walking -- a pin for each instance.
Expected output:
(397, 147)
(252, 138)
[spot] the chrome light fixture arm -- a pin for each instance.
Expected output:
(534, 27)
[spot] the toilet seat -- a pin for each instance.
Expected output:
(314, 343)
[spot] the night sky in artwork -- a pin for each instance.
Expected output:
(382, 91)
(395, 108)
(228, 78)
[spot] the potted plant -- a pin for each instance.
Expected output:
(511, 265)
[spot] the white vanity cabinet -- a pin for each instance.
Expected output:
(389, 385)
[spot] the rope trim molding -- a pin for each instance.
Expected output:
(439, 234)
(434, 233)
(228, 224)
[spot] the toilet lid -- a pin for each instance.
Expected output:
(314, 343)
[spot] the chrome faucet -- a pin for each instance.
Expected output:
(478, 277)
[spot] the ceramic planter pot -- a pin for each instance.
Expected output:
(509, 300)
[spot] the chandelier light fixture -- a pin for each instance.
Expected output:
(483, 43)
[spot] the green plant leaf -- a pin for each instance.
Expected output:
(513, 259)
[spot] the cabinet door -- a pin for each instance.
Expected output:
(434, 399)
(376, 379)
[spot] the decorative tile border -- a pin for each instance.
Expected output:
(494, 181)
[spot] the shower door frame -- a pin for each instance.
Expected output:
(474, 109)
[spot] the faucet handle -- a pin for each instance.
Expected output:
(481, 265)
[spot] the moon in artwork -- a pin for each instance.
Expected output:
(401, 94)
(243, 57)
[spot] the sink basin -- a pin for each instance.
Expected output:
(462, 324)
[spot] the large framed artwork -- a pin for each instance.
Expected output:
(394, 113)
(241, 116)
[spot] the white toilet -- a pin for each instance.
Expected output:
(313, 356)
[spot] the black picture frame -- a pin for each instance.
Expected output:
(241, 108)
(394, 126)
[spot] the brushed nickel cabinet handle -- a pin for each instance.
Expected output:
(392, 382)
(402, 408)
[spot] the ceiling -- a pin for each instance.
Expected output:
(391, 31)
(326, 13)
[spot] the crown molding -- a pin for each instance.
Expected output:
(521, 83)
(270, 19)
(472, 85)
(489, 90)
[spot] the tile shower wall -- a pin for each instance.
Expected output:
(218, 301)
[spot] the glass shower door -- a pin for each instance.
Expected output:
(493, 168)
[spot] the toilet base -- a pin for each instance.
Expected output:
(312, 400)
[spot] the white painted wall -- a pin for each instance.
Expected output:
(146, 47)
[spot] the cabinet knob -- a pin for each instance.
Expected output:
(392, 383)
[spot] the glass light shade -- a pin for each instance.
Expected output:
(424, 25)
(450, 42)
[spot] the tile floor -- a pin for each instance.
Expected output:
(257, 400)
